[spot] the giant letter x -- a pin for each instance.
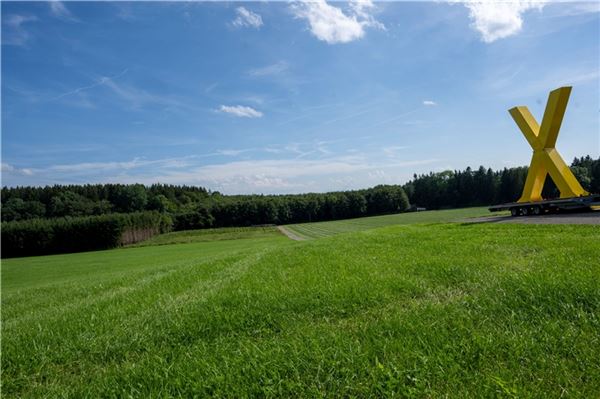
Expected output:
(546, 160)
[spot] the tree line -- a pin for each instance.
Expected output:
(77, 234)
(192, 207)
(462, 188)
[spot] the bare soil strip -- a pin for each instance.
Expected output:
(289, 234)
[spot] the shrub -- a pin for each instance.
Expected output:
(77, 234)
(199, 218)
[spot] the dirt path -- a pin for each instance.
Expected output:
(289, 234)
(567, 218)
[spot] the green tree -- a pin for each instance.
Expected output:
(387, 199)
(161, 203)
(197, 218)
(17, 209)
(583, 175)
(68, 203)
(130, 198)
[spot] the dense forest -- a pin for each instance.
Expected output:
(455, 189)
(195, 207)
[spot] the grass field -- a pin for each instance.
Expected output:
(325, 229)
(441, 310)
(206, 235)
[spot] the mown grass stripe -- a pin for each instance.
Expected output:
(446, 310)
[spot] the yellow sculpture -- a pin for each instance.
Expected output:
(546, 160)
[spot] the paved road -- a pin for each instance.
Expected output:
(567, 218)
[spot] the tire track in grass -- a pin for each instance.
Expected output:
(87, 296)
(290, 234)
(116, 333)
(166, 322)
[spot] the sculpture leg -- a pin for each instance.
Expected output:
(562, 176)
(535, 179)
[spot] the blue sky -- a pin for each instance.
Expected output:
(286, 97)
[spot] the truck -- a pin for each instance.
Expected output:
(534, 208)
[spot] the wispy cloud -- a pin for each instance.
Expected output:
(59, 10)
(138, 98)
(136, 163)
(273, 150)
(324, 171)
(233, 153)
(363, 10)
(15, 34)
(516, 85)
(351, 115)
(102, 81)
(429, 103)
(240, 111)
(11, 169)
(499, 19)
(568, 8)
(29, 95)
(332, 25)
(273, 69)
(208, 89)
(124, 11)
(395, 118)
(392, 150)
(285, 175)
(133, 96)
(130, 95)
(246, 18)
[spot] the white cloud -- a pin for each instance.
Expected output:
(240, 111)
(279, 175)
(233, 153)
(499, 19)
(13, 170)
(15, 34)
(363, 9)
(135, 163)
(59, 10)
(377, 174)
(251, 176)
(392, 150)
(273, 69)
(429, 102)
(330, 24)
(246, 18)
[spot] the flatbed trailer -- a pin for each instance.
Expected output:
(587, 202)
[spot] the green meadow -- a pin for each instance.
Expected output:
(325, 229)
(420, 308)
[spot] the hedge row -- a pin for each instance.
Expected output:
(78, 234)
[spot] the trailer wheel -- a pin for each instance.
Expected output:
(536, 210)
(525, 211)
(514, 211)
